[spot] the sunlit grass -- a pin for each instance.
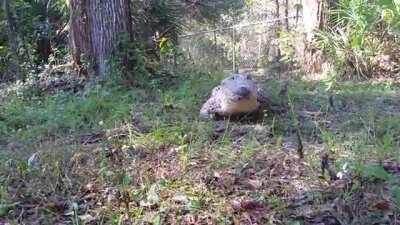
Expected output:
(175, 151)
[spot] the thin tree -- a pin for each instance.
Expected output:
(278, 27)
(287, 15)
(96, 27)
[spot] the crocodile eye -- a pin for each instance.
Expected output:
(248, 77)
(233, 78)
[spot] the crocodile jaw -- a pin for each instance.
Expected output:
(245, 105)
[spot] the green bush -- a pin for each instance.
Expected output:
(359, 31)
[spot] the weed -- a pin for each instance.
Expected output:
(396, 194)
(249, 150)
(75, 215)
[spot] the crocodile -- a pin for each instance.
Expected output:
(237, 95)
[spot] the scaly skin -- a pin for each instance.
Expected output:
(237, 94)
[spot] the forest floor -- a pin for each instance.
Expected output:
(107, 154)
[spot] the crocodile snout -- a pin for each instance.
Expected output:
(242, 92)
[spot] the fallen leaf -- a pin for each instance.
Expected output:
(251, 205)
(254, 184)
(236, 204)
(383, 205)
(181, 199)
(87, 218)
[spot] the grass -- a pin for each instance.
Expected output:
(64, 113)
(154, 161)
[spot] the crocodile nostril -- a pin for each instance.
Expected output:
(243, 92)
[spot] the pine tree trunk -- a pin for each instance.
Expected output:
(12, 40)
(96, 27)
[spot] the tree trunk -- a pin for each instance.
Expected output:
(43, 41)
(96, 27)
(287, 15)
(43, 47)
(277, 29)
(12, 40)
(277, 10)
(315, 15)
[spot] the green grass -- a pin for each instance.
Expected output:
(176, 152)
(65, 113)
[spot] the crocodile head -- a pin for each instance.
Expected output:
(237, 94)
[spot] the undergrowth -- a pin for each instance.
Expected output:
(361, 39)
(143, 154)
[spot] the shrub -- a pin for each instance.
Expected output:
(360, 33)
